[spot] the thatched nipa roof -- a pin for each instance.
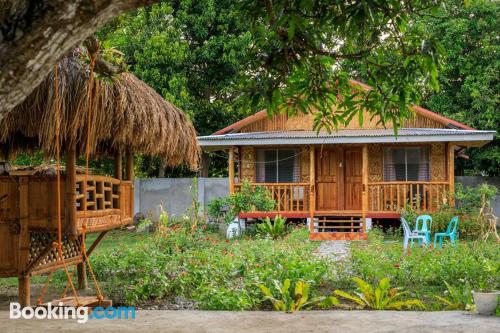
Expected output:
(126, 114)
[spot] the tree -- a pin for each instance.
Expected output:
(192, 53)
(299, 48)
(469, 79)
(295, 50)
(34, 34)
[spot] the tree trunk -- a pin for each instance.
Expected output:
(35, 34)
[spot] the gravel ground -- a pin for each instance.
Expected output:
(334, 250)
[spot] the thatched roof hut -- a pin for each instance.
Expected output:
(126, 114)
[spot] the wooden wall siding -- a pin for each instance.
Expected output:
(247, 163)
(9, 238)
(304, 122)
(438, 161)
(375, 163)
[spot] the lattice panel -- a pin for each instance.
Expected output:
(438, 161)
(304, 165)
(97, 194)
(247, 163)
(40, 240)
(375, 161)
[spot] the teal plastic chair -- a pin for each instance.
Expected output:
(451, 232)
(423, 226)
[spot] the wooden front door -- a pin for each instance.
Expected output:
(353, 178)
(338, 178)
(327, 178)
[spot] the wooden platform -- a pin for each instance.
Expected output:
(86, 301)
(323, 236)
(271, 215)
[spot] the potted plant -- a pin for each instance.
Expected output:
(486, 301)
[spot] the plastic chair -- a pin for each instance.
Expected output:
(422, 228)
(451, 232)
(410, 235)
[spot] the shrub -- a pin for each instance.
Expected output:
(468, 225)
(423, 271)
(215, 273)
(274, 229)
(456, 297)
(248, 199)
(470, 199)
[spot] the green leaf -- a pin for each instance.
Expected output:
(350, 297)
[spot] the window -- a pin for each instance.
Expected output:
(406, 164)
(277, 166)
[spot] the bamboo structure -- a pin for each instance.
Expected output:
(127, 115)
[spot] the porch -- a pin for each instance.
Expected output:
(345, 186)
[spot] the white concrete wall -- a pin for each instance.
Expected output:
(175, 194)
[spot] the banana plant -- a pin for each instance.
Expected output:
(379, 297)
(287, 302)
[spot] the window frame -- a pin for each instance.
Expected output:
(297, 153)
(406, 146)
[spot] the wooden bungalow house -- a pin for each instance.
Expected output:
(341, 181)
(127, 117)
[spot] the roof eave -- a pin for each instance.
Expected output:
(463, 139)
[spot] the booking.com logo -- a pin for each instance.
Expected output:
(81, 314)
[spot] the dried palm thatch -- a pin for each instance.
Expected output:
(126, 114)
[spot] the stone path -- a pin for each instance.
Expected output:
(335, 250)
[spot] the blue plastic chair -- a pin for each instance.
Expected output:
(424, 228)
(451, 232)
(410, 235)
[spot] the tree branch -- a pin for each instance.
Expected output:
(40, 36)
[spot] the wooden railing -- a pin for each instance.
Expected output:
(103, 202)
(394, 196)
(289, 197)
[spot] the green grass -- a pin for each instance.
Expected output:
(117, 239)
(140, 268)
(216, 273)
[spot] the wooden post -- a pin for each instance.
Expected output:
(130, 166)
(24, 294)
(312, 181)
(118, 165)
(82, 276)
(364, 196)
(130, 177)
(205, 163)
(451, 173)
(70, 202)
(231, 170)
(24, 244)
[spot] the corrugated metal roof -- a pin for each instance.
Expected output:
(346, 136)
